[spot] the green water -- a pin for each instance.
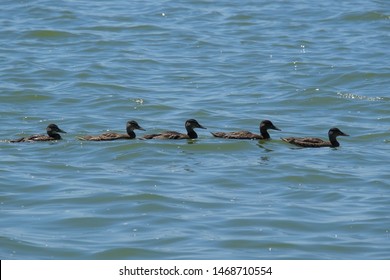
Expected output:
(91, 66)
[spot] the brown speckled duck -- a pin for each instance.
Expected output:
(53, 133)
(309, 142)
(189, 125)
(264, 126)
(110, 136)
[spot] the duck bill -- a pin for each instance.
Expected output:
(201, 126)
(60, 130)
(344, 134)
(141, 128)
(276, 128)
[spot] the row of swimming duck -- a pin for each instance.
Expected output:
(53, 133)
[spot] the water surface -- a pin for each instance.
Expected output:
(89, 66)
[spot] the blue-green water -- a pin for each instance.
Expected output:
(89, 66)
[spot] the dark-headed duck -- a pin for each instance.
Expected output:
(264, 126)
(110, 136)
(309, 142)
(189, 125)
(53, 133)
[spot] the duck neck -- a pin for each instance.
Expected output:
(54, 135)
(264, 132)
(191, 132)
(333, 141)
(130, 132)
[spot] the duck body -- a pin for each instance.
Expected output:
(264, 126)
(190, 125)
(111, 136)
(312, 142)
(237, 135)
(169, 135)
(53, 134)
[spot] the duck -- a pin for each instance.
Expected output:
(53, 133)
(189, 125)
(310, 142)
(264, 126)
(110, 136)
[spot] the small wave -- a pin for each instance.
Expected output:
(361, 97)
(49, 34)
(365, 16)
